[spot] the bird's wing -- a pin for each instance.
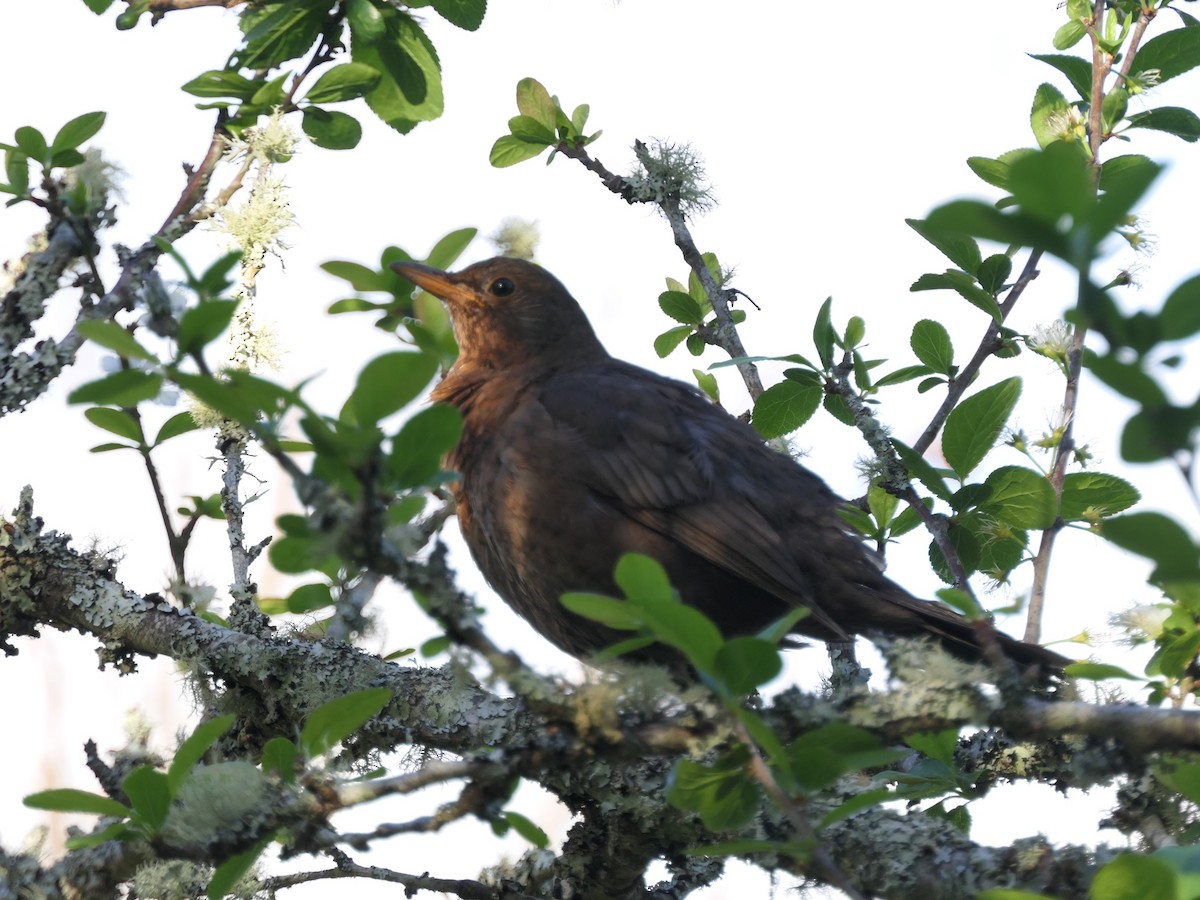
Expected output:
(675, 464)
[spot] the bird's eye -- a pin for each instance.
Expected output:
(502, 287)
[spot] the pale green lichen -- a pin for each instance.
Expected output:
(212, 802)
(670, 173)
(517, 238)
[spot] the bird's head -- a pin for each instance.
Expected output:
(507, 312)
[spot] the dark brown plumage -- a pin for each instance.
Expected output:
(570, 458)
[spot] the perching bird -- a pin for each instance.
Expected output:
(570, 458)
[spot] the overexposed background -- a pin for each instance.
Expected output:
(822, 130)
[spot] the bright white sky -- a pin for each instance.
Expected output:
(821, 133)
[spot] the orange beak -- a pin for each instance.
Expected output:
(442, 285)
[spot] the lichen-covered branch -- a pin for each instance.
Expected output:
(617, 761)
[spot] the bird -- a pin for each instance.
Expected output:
(570, 458)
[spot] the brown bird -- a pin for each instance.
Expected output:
(570, 458)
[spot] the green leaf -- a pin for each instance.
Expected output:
(985, 221)
(618, 614)
(66, 159)
(98, 6)
(974, 425)
(782, 627)
(1021, 498)
(994, 271)
(958, 599)
(116, 421)
(643, 580)
(1078, 72)
(534, 100)
(1098, 672)
(579, 118)
(1181, 775)
(222, 83)
(129, 387)
(931, 343)
(32, 143)
(855, 804)
(366, 22)
(333, 722)
(330, 129)
(1048, 103)
(344, 82)
(1127, 378)
(180, 423)
(1090, 495)
(77, 131)
(117, 831)
(466, 14)
(149, 793)
(418, 449)
(960, 249)
(684, 628)
(1171, 52)
(939, 745)
(529, 129)
(361, 277)
(447, 250)
(230, 872)
(75, 801)
(666, 342)
(203, 324)
(903, 374)
(724, 798)
(784, 407)
(856, 330)
(434, 646)
(961, 283)
(882, 504)
(708, 383)
(111, 336)
(1154, 434)
(270, 93)
(410, 90)
(1159, 538)
(1183, 123)
(1053, 184)
(218, 394)
(1179, 317)
(1116, 102)
(1185, 862)
(16, 169)
(821, 756)
(681, 307)
(279, 30)
(510, 150)
(995, 171)
(309, 597)
(1068, 35)
(191, 750)
(279, 756)
(1134, 877)
(745, 663)
(390, 382)
(920, 469)
(824, 336)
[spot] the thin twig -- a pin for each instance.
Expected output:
(821, 861)
(177, 543)
(1101, 65)
(987, 346)
(725, 335)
